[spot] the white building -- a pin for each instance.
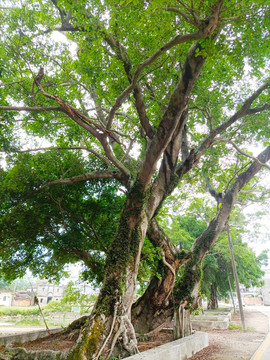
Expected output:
(47, 292)
(266, 288)
(5, 297)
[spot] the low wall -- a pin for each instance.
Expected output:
(27, 336)
(211, 320)
(176, 350)
(210, 325)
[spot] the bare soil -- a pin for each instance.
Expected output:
(223, 344)
(57, 342)
(63, 342)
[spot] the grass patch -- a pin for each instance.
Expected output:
(233, 326)
(16, 310)
(30, 322)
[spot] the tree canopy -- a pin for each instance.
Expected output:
(141, 96)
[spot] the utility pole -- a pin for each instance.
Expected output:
(231, 292)
(236, 280)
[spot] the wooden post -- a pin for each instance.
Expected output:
(236, 280)
(231, 293)
(36, 302)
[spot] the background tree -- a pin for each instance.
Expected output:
(59, 225)
(73, 297)
(217, 269)
(151, 91)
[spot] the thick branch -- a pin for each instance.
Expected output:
(245, 110)
(73, 180)
(92, 127)
(122, 55)
(173, 116)
(33, 108)
(87, 259)
(167, 169)
(209, 27)
(216, 195)
(209, 236)
(140, 106)
(259, 109)
(159, 239)
(103, 158)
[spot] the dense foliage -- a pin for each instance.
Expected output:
(104, 97)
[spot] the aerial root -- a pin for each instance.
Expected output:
(127, 333)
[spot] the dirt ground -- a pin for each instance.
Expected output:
(236, 344)
(63, 342)
(223, 344)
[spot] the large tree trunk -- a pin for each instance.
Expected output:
(109, 330)
(212, 303)
(154, 309)
(111, 319)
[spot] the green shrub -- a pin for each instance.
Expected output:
(233, 326)
(56, 306)
(17, 310)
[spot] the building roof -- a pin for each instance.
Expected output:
(22, 295)
(5, 291)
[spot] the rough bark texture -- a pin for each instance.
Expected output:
(155, 309)
(111, 319)
(213, 301)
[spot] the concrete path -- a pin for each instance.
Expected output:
(9, 330)
(263, 353)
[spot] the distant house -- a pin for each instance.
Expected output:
(23, 298)
(5, 297)
(47, 292)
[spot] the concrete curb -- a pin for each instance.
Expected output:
(211, 321)
(180, 349)
(27, 336)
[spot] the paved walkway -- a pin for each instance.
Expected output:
(9, 330)
(263, 353)
(237, 344)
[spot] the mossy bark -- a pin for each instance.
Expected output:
(155, 307)
(110, 323)
(213, 301)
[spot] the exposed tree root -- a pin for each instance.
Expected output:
(111, 330)
(182, 323)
